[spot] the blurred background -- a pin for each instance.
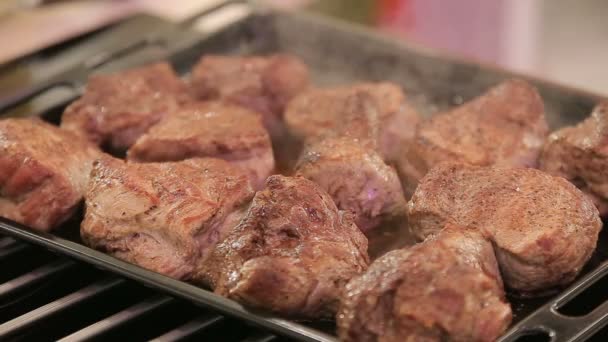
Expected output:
(561, 40)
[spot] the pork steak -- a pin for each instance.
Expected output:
(210, 129)
(263, 84)
(165, 217)
(319, 111)
(580, 154)
(44, 172)
(544, 229)
(117, 108)
(446, 288)
(357, 179)
(505, 127)
(291, 254)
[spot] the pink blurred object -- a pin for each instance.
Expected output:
(502, 32)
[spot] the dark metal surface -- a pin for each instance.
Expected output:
(560, 327)
(16, 325)
(39, 275)
(123, 317)
(52, 298)
(191, 327)
(177, 288)
(337, 53)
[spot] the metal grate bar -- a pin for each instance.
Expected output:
(131, 313)
(190, 328)
(6, 241)
(38, 275)
(34, 317)
(261, 337)
(13, 249)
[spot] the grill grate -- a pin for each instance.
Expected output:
(45, 297)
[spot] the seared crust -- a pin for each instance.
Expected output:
(446, 288)
(209, 129)
(44, 172)
(356, 178)
(165, 217)
(262, 84)
(291, 254)
(117, 108)
(343, 154)
(317, 112)
(544, 229)
(505, 127)
(580, 154)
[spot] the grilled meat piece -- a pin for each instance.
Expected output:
(505, 127)
(316, 112)
(356, 178)
(447, 288)
(262, 84)
(210, 129)
(543, 228)
(580, 154)
(165, 217)
(44, 172)
(116, 109)
(344, 162)
(291, 254)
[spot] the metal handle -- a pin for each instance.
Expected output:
(76, 76)
(561, 328)
(193, 18)
(23, 95)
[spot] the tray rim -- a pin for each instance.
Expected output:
(209, 299)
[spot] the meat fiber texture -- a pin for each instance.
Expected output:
(165, 217)
(357, 179)
(44, 172)
(117, 108)
(263, 84)
(318, 111)
(543, 228)
(446, 288)
(346, 163)
(291, 254)
(580, 154)
(506, 126)
(210, 129)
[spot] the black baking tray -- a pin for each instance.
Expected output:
(336, 52)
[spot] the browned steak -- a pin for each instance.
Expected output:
(505, 126)
(291, 254)
(116, 109)
(356, 178)
(44, 171)
(544, 229)
(580, 154)
(316, 112)
(261, 83)
(165, 217)
(447, 288)
(344, 161)
(210, 129)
